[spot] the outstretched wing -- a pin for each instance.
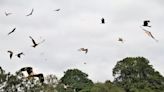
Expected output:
(12, 31)
(32, 40)
(30, 12)
(149, 34)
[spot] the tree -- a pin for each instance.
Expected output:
(74, 80)
(135, 73)
(19, 83)
(106, 87)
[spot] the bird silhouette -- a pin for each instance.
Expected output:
(149, 34)
(29, 70)
(57, 10)
(12, 31)
(7, 14)
(11, 53)
(83, 49)
(103, 21)
(40, 76)
(146, 23)
(121, 40)
(30, 13)
(19, 54)
(34, 43)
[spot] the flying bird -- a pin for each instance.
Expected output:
(103, 21)
(11, 53)
(12, 31)
(7, 14)
(29, 70)
(34, 43)
(40, 76)
(19, 54)
(30, 13)
(121, 40)
(57, 10)
(83, 49)
(149, 34)
(146, 23)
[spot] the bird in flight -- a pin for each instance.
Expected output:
(40, 76)
(121, 40)
(83, 49)
(7, 14)
(34, 43)
(149, 34)
(57, 10)
(11, 53)
(12, 31)
(19, 54)
(30, 13)
(29, 70)
(146, 23)
(103, 21)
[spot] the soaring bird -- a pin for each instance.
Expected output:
(57, 10)
(40, 76)
(34, 43)
(83, 49)
(146, 23)
(149, 34)
(11, 53)
(19, 54)
(103, 21)
(30, 13)
(121, 40)
(28, 69)
(12, 31)
(7, 14)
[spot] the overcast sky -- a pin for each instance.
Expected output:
(77, 25)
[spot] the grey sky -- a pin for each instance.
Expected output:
(78, 25)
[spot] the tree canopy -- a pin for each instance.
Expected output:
(134, 73)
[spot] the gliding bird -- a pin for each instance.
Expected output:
(11, 53)
(30, 13)
(57, 10)
(121, 40)
(83, 49)
(7, 14)
(34, 43)
(103, 21)
(12, 31)
(19, 54)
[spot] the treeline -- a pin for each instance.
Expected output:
(132, 74)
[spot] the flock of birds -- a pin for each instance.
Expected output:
(35, 44)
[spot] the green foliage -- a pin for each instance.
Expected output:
(74, 79)
(106, 87)
(136, 75)
(132, 74)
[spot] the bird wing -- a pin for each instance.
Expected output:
(57, 10)
(103, 20)
(11, 31)
(149, 33)
(42, 41)
(86, 51)
(30, 12)
(32, 40)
